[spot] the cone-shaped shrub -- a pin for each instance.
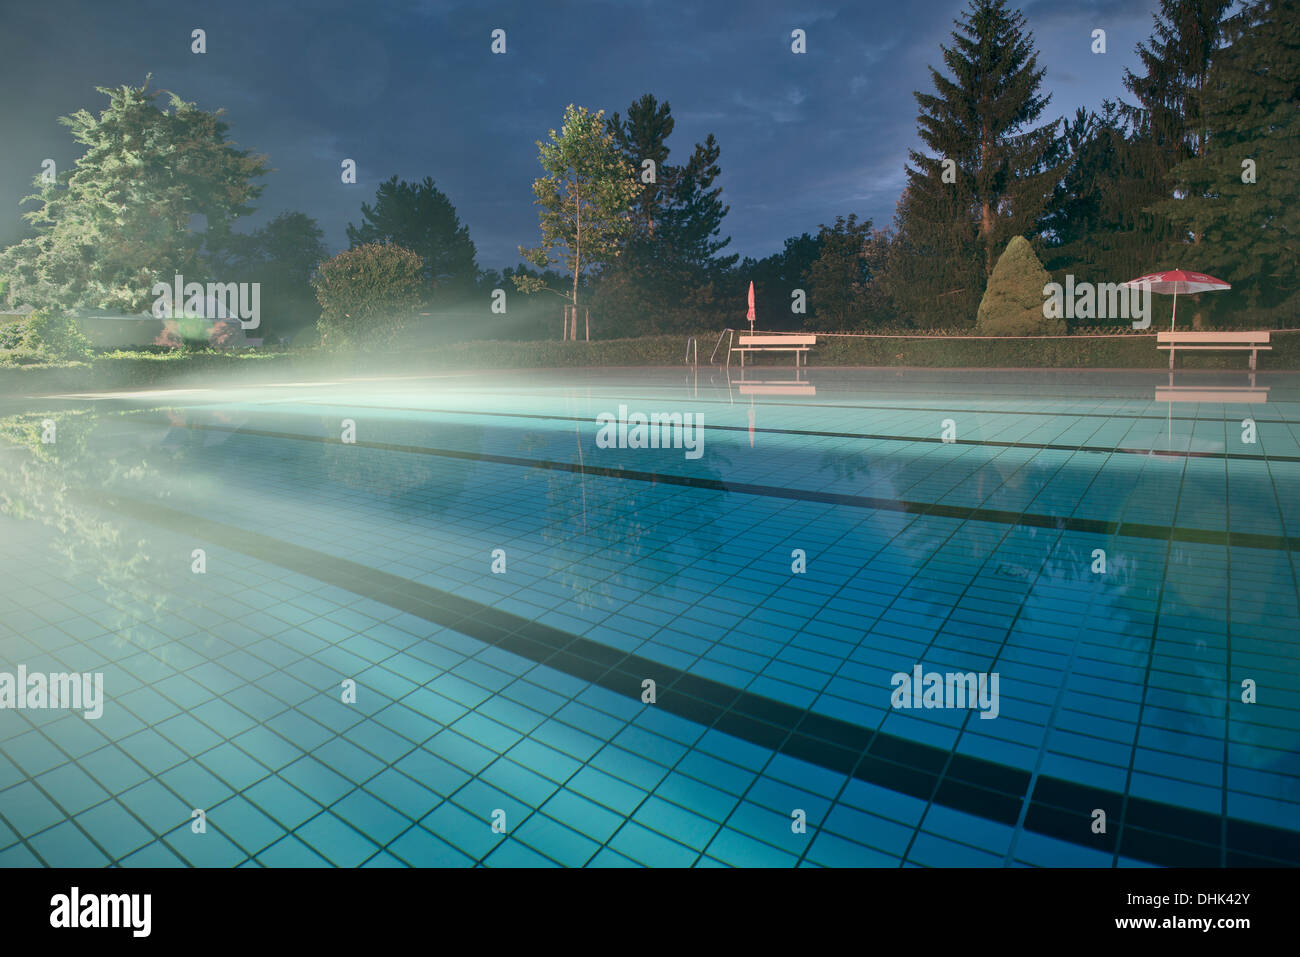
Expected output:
(1013, 300)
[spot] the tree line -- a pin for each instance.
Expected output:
(1196, 168)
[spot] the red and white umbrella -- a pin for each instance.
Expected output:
(750, 315)
(1176, 281)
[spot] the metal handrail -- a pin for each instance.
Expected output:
(713, 359)
(691, 342)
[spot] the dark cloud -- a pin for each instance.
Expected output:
(411, 88)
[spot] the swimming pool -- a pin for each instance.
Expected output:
(861, 618)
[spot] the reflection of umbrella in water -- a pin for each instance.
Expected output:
(1176, 281)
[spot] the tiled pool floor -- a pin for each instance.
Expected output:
(499, 588)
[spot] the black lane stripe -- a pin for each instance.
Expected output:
(1155, 832)
(941, 408)
(1200, 536)
(931, 439)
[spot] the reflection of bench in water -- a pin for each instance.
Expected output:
(1219, 341)
(777, 388)
(798, 344)
(1219, 395)
(1231, 396)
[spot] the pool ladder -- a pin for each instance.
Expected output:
(693, 348)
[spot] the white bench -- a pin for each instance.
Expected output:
(798, 344)
(1251, 342)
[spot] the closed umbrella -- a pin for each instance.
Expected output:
(1176, 281)
(750, 315)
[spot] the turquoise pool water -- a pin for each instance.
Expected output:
(413, 621)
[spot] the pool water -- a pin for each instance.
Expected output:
(447, 621)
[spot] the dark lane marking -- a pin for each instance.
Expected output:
(1274, 400)
(932, 439)
(1200, 536)
(957, 397)
(1152, 831)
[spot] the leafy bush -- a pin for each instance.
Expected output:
(1013, 300)
(367, 294)
(55, 335)
(12, 334)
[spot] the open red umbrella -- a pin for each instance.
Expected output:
(750, 315)
(1176, 281)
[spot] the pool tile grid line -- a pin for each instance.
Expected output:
(922, 654)
(1119, 839)
(358, 497)
(305, 824)
(807, 433)
(596, 663)
(964, 398)
(1022, 810)
(1128, 529)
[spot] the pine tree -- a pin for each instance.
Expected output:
(1168, 118)
(933, 274)
(670, 258)
(990, 172)
(1238, 202)
(282, 257)
(1108, 222)
(643, 136)
(1098, 228)
(775, 278)
(1166, 125)
(841, 283)
(420, 217)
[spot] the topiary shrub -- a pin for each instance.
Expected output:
(54, 335)
(1013, 300)
(367, 294)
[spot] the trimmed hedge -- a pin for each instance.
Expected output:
(123, 370)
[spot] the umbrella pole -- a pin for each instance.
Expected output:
(1174, 317)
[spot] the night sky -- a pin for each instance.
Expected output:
(412, 88)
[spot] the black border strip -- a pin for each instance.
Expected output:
(718, 387)
(1155, 832)
(869, 436)
(1163, 533)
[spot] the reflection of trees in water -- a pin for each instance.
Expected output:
(404, 482)
(40, 482)
(617, 530)
(1132, 582)
(1258, 741)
